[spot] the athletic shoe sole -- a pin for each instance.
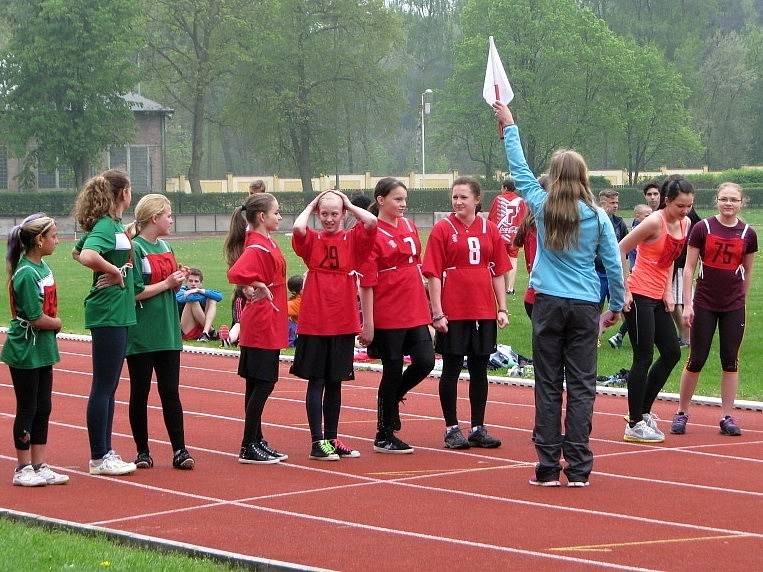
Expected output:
(253, 462)
(186, 465)
(328, 458)
(536, 483)
(578, 484)
(113, 473)
(393, 451)
(642, 440)
(484, 446)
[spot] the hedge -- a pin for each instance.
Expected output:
(61, 203)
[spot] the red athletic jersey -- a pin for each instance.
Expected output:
(507, 211)
(330, 292)
(394, 272)
(264, 322)
(466, 259)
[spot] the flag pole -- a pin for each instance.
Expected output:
(498, 125)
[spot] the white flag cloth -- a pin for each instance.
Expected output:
(495, 75)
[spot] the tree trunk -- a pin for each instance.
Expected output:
(228, 145)
(81, 168)
(197, 143)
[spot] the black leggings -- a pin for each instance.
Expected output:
(109, 347)
(257, 393)
(33, 388)
(451, 369)
(730, 333)
(166, 364)
(323, 403)
(649, 325)
(395, 383)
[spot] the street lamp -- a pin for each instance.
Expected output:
(424, 110)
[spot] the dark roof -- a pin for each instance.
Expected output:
(139, 103)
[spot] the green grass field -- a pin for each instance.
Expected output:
(206, 253)
(38, 548)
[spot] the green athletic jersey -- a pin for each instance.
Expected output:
(33, 293)
(158, 325)
(114, 305)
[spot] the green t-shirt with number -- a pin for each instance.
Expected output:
(33, 293)
(158, 325)
(113, 305)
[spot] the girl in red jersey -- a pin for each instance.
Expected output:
(527, 238)
(725, 247)
(465, 262)
(328, 320)
(264, 328)
(395, 310)
(507, 211)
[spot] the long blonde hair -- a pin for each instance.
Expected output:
(99, 197)
(148, 207)
(567, 184)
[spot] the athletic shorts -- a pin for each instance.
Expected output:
(194, 334)
(324, 357)
(394, 344)
(467, 337)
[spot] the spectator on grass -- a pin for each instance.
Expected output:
(109, 306)
(197, 307)
(30, 347)
(571, 231)
(726, 247)
(468, 307)
(507, 212)
(649, 301)
(294, 285)
(154, 342)
(257, 186)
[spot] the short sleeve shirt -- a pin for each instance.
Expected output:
(114, 305)
(33, 293)
(157, 326)
(720, 286)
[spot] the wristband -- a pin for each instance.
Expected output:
(503, 312)
(438, 318)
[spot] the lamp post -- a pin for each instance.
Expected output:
(424, 110)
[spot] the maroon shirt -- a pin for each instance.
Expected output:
(720, 284)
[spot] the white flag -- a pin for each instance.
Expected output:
(496, 86)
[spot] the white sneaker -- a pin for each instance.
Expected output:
(651, 421)
(642, 433)
(27, 477)
(50, 476)
(111, 464)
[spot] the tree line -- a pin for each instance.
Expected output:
(308, 87)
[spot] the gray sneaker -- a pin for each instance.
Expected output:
(454, 439)
(651, 420)
(642, 433)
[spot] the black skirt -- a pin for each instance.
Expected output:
(394, 344)
(256, 363)
(324, 357)
(467, 337)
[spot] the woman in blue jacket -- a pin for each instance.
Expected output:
(572, 231)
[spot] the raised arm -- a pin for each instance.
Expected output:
(300, 223)
(364, 216)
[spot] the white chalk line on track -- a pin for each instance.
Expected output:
(641, 447)
(215, 502)
(481, 457)
(404, 482)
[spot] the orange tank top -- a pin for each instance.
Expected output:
(654, 260)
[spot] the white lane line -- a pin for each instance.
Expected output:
(361, 526)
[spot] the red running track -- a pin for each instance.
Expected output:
(693, 502)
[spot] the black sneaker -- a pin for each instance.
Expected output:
(454, 439)
(144, 461)
(479, 437)
(183, 460)
(252, 454)
(388, 443)
(272, 452)
(203, 337)
(323, 450)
